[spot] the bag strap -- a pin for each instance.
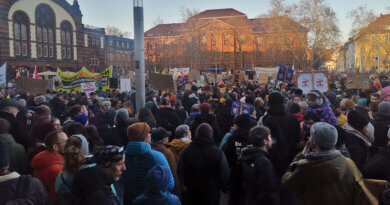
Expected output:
(64, 181)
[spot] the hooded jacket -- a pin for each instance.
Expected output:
(177, 146)
(385, 94)
(93, 186)
(156, 188)
(47, 165)
(324, 112)
(378, 167)
(321, 180)
(357, 144)
(140, 158)
(17, 155)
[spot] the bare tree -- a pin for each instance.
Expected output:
(362, 17)
(112, 30)
(158, 21)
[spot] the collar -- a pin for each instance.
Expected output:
(10, 176)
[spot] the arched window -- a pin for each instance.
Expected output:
(21, 34)
(66, 40)
(45, 29)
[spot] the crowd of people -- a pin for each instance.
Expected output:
(186, 147)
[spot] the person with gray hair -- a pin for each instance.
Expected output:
(181, 141)
(320, 174)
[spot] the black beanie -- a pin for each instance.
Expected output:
(356, 120)
(242, 121)
(4, 156)
(275, 99)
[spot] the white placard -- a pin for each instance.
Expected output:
(305, 82)
(125, 85)
(321, 82)
(88, 88)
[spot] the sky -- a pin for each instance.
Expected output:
(119, 13)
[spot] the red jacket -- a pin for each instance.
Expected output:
(47, 165)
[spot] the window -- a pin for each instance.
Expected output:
(215, 40)
(117, 44)
(204, 40)
(123, 44)
(227, 56)
(111, 57)
(259, 41)
(127, 45)
(45, 27)
(66, 40)
(241, 39)
(226, 40)
(258, 55)
(215, 56)
(110, 42)
(21, 34)
(118, 57)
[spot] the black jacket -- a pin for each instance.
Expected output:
(93, 186)
(285, 132)
(378, 167)
(381, 126)
(18, 130)
(224, 119)
(357, 149)
(168, 119)
(59, 107)
(211, 120)
(260, 184)
(182, 113)
(204, 177)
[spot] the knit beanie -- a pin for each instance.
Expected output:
(356, 120)
(384, 109)
(324, 135)
(4, 156)
(362, 102)
(109, 155)
(22, 103)
(122, 115)
(81, 118)
(138, 132)
(205, 108)
(84, 143)
(149, 105)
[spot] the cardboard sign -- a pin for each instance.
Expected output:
(194, 76)
(313, 81)
(36, 86)
(358, 81)
(88, 88)
(219, 78)
(162, 82)
(262, 77)
(125, 85)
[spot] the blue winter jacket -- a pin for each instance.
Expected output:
(140, 158)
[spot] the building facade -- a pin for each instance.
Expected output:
(49, 34)
(225, 38)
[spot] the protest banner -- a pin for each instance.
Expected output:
(88, 88)
(312, 81)
(73, 81)
(162, 82)
(185, 71)
(35, 86)
(358, 81)
(125, 85)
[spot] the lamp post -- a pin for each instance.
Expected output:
(139, 53)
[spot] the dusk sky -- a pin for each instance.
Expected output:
(119, 13)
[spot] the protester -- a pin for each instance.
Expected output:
(145, 115)
(9, 110)
(319, 105)
(168, 117)
(320, 174)
(181, 141)
(206, 176)
(206, 117)
(96, 185)
(16, 188)
(140, 158)
(48, 164)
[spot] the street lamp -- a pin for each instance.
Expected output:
(139, 53)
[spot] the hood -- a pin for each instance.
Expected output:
(348, 128)
(177, 145)
(208, 118)
(194, 114)
(84, 144)
(157, 179)
(45, 159)
(137, 148)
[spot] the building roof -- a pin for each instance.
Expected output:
(218, 13)
(172, 29)
(274, 24)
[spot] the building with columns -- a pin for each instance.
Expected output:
(50, 34)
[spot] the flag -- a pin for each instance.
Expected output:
(182, 75)
(17, 75)
(93, 70)
(3, 74)
(281, 73)
(193, 67)
(35, 75)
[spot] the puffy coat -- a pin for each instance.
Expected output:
(385, 94)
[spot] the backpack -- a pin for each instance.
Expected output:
(67, 197)
(21, 192)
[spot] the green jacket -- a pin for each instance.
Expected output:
(323, 180)
(17, 155)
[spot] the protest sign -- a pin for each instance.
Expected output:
(358, 81)
(162, 82)
(321, 82)
(88, 88)
(236, 108)
(262, 78)
(246, 108)
(3, 74)
(312, 81)
(36, 86)
(185, 71)
(125, 85)
(219, 78)
(194, 76)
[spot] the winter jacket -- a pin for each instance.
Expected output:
(156, 189)
(182, 113)
(191, 118)
(17, 155)
(59, 107)
(324, 112)
(93, 186)
(119, 137)
(140, 158)
(378, 167)
(321, 179)
(357, 144)
(177, 146)
(224, 119)
(385, 94)
(381, 126)
(285, 132)
(47, 165)
(168, 119)
(99, 119)
(260, 184)
(31, 188)
(211, 120)
(17, 130)
(204, 177)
